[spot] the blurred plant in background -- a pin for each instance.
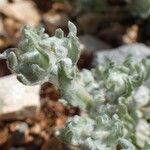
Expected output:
(84, 6)
(140, 8)
(89, 6)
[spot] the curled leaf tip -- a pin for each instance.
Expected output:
(59, 33)
(72, 28)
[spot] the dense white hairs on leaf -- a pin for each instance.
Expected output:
(112, 116)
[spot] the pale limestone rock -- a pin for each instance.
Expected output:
(20, 10)
(92, 44)
(118, 55)
(14, 96)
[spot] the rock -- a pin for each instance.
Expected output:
(16, 98)
(54, 20)
(89, 45)
(43, 5)
(18, 132)
(1, 26)
(88, 23)
(131, 35)
(23, 11)
(15, 14)
(99, 23)
(4, 42)
(62, 7)
(112, 32)
(4, 135)
(118, 55)
(2, 3)
(3, 68)
(48, 90)
(146, 32)
(54, 144)
(12, 30)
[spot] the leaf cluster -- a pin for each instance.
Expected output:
(109, 96)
